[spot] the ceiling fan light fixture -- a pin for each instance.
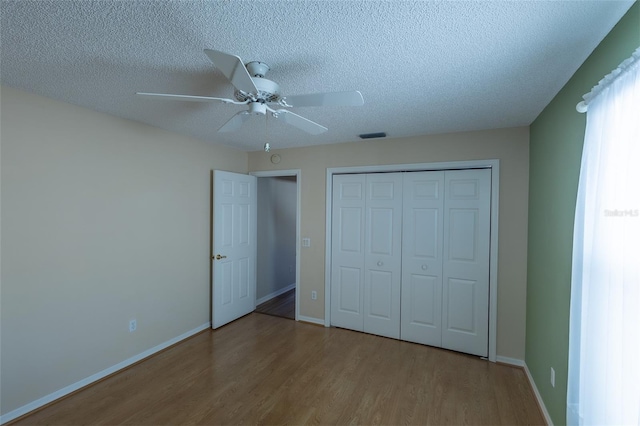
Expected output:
(257, 108)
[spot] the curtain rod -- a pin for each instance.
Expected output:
(606, 81)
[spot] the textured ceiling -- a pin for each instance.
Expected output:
(422, 67)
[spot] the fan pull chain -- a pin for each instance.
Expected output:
(267, 147)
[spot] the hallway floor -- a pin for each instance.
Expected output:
(280, 306)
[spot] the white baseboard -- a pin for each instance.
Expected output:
(510, 361)
(311, 320)
(95, 377)
(545, 413)
(275, 293)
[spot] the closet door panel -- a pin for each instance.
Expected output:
(423, 201)
(383, 254)
(422, 307)
(347, 251)
(466, 261)
(350, 287)
(380, 295)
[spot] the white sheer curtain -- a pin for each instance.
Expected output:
(604, 342)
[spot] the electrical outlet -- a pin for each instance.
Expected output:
(553, 377)
(314, 295)
(306, 242)
(133, 324)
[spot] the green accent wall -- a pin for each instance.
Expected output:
(556, 139)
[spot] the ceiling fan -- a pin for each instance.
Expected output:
(260, 94)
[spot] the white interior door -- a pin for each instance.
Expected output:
(383, 257)
(465, 307)
(423, 204)
(234, 246)
(347, 251)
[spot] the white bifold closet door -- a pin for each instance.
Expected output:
(383, 254)
(422, 257)
(347, 252)
(465, 263)
(366, 248)
(410, 256)
(445, 259)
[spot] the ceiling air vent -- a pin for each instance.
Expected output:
(373, 135)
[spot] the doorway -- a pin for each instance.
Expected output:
(277, 268)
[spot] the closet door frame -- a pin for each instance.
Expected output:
(492, 164)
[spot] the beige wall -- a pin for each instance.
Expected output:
(103, 220)
(511, 146)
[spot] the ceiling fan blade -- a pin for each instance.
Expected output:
(232, 68)
(299, 122)
(235, 122)
(166, 96)
(353, 98)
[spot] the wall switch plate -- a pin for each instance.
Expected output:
(314, 295)
(553, 377)
(306, 242)
(133, 324)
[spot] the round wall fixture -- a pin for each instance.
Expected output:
(275, 158)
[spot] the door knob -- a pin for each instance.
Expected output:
(380, 263)
(424, 267)
(218, 257)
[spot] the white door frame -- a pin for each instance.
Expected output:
(298, 174)
(493, 164)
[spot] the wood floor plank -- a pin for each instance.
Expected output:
(268, 370)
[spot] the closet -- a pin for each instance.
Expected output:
(410, 256)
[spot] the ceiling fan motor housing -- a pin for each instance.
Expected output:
(268, 91)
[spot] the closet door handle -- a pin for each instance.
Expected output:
(424, 267)
(380, 263)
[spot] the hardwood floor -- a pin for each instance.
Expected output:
(263, 369)
(283, 305)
